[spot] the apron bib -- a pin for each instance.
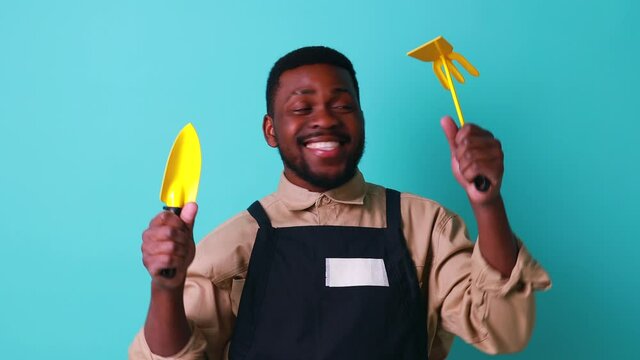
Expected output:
(330, 292)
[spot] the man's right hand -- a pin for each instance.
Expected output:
(168, 244)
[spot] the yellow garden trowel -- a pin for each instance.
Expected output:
(441, 53)
(181, 175)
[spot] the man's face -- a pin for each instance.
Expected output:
(317, 126)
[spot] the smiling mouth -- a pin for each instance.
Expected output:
(323, 141)
(323, 145)
(326, 146)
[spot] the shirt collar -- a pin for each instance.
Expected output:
(297, 198)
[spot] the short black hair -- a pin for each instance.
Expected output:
(309, 55)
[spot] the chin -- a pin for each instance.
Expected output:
(322, 175)
(330, 179)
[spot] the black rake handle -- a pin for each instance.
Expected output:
(482, 183)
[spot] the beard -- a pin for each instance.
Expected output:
(305, 172)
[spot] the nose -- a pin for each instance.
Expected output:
(325, 119)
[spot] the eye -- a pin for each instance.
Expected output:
(343, 108)
(301, 110)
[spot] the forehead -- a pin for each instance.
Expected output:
(316, 77)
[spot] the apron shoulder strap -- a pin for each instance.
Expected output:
(257, 211)
(254, 287)
(393, 209)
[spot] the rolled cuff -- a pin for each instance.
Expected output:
(193, 350)
(527, 275)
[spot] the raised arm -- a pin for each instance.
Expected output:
(475, 152)
(168, 243)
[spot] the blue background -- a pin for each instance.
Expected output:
(92, 94)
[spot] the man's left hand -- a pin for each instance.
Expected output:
(475, 152)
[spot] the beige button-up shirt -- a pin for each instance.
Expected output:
(465, 296)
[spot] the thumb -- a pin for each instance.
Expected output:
(450, 130)
(188, 214)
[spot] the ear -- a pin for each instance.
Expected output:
(269, 131)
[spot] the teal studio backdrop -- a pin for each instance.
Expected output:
(92, 94)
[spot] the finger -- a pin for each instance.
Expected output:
(475, 130)
(468, 162)
(469, 132)
(188, 215)
(491, 168)
(474, 156)
(164, 248)
(158, 219)
(471, 148)
(179, 233)
(157, 263)
(479, 149)
(165, 218)
(450, 130)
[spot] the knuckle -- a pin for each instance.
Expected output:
(164, 216)
(156, 219)
(473, 130)
(172, 233)
(462, 149)
(164, 259)
(148, 263)
(146, 234)
(473, 154)
(464, 167)
(171, 247)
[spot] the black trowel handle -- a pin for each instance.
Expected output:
(482, 183)
(169, 273)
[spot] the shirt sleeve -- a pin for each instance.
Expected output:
(193, 350)
(475, 302)
(209, 309)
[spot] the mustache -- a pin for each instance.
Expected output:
(339, 135)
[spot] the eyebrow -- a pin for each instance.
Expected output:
(306, 91)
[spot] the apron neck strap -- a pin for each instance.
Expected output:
(257, 211)
(393, 209)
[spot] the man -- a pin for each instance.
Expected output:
(332, 267)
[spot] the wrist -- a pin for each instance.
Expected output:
(497, 242)
(490, 205)
(491, 217)
(167, 294)
(167, 328)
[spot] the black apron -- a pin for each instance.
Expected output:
(287, 311)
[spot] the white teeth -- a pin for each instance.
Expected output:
(323, 145)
